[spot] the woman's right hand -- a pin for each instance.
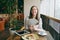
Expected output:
(31, 28)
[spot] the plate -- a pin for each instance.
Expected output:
(43, 33)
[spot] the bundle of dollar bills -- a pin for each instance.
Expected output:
(32, 21)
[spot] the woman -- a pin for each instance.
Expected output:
(33, 23)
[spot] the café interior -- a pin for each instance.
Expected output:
(18, 10)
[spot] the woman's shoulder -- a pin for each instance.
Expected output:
(40, 19)
(27, 18)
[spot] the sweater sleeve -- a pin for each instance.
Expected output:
(26, 22)
(40, 24)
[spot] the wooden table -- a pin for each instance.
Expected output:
(38, 37)
(16, 37)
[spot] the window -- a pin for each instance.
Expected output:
(57, 9)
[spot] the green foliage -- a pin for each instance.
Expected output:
(21, 6)
(7, 6)
(17, 24)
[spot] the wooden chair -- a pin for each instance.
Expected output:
(2, 23)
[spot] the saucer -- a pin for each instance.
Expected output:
(42, 33)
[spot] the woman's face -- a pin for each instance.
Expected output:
(34, 11)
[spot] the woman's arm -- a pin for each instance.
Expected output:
(26, 22)
(38, 27)
(40, 24)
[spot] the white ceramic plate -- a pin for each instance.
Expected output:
(42, 33)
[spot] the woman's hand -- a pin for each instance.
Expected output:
(36, 27)
(31, 28)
